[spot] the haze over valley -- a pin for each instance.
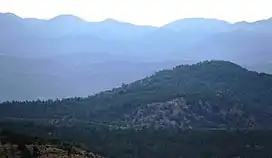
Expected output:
(68, 56)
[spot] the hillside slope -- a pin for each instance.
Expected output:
(13, 145)
(211, 94)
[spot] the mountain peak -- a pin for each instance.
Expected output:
(216, 65)
(199, 20)
(242, 22)
(67, 18)
(10, 16)
(109, 20)
(196, 24)
(218, 62)
(113, 21)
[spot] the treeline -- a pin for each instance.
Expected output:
(157, 143)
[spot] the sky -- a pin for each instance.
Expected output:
(142, 12)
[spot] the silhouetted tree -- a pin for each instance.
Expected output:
(36, 152)
(69, 152)
(25, 153)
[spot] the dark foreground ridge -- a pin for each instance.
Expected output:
(207, 95)
(14, 145)
(116, 143)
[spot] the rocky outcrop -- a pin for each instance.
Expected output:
(178, 113)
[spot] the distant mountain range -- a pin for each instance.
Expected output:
(67, 56)
(195, 38)
(30, 79)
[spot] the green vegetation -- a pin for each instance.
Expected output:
(216, 94)
(155, 143)
(15, 144)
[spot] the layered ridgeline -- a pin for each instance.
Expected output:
(67, 56)
(211, 94)
(206, 38)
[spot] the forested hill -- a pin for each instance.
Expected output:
(210, 94)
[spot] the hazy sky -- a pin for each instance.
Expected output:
(143, 12)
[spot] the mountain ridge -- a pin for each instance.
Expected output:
(210, 94)
(197, 18)
(181, 38)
